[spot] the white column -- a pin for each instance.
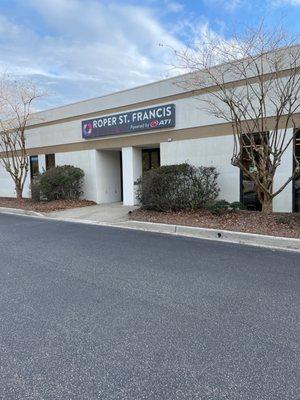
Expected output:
(42, 163)
(132, 170)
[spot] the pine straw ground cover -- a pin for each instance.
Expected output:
(276, 224)
(43, 206)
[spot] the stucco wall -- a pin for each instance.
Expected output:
(86, 161)
(217, 152)
(102, 180)
(108, 170)
(7, 187)
(188, 115)
(190, 112)
(214, 152)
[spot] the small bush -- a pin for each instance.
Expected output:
(177, 187)
(282, 219)
(218, 207)
(237, 205)
(62, 182)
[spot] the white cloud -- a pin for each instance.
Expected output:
(279, 3)
(229, 5)
(174, 6)
(91, 48)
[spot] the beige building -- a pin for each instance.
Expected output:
(114, 138)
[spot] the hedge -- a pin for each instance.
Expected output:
(61, 182)
(177, 187)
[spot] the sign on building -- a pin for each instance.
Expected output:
(130, 122)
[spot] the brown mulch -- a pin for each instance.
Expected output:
(276, 224)
(43, 206)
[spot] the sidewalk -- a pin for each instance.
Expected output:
(100, 213)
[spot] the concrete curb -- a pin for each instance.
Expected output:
(272, 242)
(20, 211)
(266, 241)
(252, 239)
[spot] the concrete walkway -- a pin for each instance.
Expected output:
(100, 213)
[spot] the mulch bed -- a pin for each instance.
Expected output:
(276, 224)
(43, 206)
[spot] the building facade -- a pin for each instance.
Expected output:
(114, 138)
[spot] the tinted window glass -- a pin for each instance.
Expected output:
(297, 180)
(151, 159)
(34, 166)
(248, 194)
(50, 161)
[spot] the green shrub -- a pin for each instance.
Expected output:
(282, 219)
(218, 207)
(62, 182)
(177, 187)
(237, 205)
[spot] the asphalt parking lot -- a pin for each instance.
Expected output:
(89, 312)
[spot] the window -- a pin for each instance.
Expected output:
(151, 159)
(297, 180)
(50, 161)
(34, 166)
(248, 194)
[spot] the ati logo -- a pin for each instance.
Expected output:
(88, 129)
(154, 123)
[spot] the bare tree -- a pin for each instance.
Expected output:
(16, 99)
(252, 82)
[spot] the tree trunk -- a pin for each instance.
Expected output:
(19, 193)
(267, 206)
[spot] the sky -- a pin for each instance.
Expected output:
(78, 49)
